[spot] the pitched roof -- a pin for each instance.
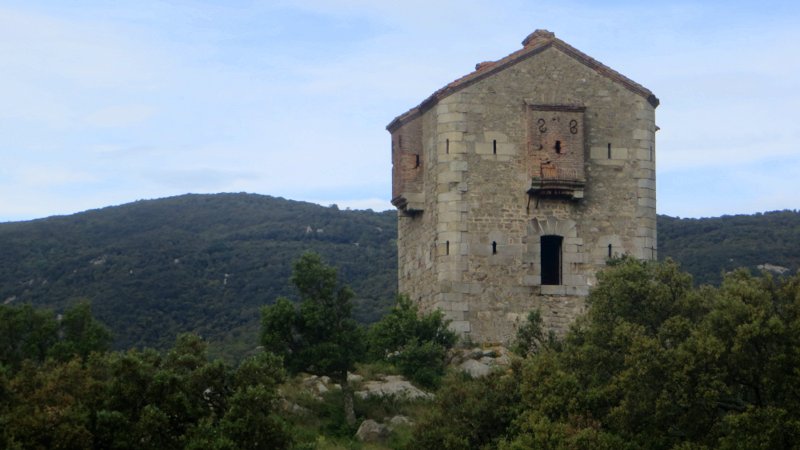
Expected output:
(534, 43)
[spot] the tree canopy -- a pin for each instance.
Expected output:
(319, 335)
(142, 400)
(206, 263)
(656, 363)
(193, 263)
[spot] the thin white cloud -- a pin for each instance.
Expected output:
(375, 204)
(120, 116)
(44, 176)
(87, 53)
(291, 98)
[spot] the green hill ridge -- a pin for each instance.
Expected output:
(202, 263)
(708, 247)
(207, 263)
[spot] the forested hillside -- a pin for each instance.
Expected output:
(201, 263)
(207, 263)
(710, 246)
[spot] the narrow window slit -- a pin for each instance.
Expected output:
(609, 150)
(494, 247)
(494, 146)
(558, 147)
(447, 146)
(447, 247)
(416, 161)
(609, 250)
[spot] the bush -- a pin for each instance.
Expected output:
(469, 413)
(531, 337)
(416, 344)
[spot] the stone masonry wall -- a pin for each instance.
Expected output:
(475, 178)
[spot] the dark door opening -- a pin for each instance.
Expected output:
(551, 259)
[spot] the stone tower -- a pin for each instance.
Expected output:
(517, 182)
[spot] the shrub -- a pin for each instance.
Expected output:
(416, 344)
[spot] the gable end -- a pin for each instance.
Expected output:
(535, 43)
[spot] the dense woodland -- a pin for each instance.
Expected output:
(60, 387)
(199, 263)
(709, 247)
(206, 263)
(656, 363)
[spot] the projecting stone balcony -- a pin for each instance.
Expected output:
(554, 181)
(410, 203)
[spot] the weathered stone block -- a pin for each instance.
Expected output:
(646, 135)
(553, 290)
(619, 153)
(460, 326)
(451, 117)
(459, 166)
(647, 183)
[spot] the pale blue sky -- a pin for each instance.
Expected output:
(107, 102)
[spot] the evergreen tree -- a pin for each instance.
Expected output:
(319, 336)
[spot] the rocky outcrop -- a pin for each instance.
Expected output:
(479, 362)
(392, 385)
(399, 421)
(780, 270)
(372, 431)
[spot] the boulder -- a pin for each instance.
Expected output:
(354, 377)
(371, 431)
(392, 385)
(475, 369)
(399, 421)
(293, 408)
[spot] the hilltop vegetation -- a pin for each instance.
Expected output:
(61, 388)
(201, 263)
(206, 263)
(710, 246)
(656, 363)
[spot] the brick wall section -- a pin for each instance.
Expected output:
(408, 165)
(477, 145)
(555, 142)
